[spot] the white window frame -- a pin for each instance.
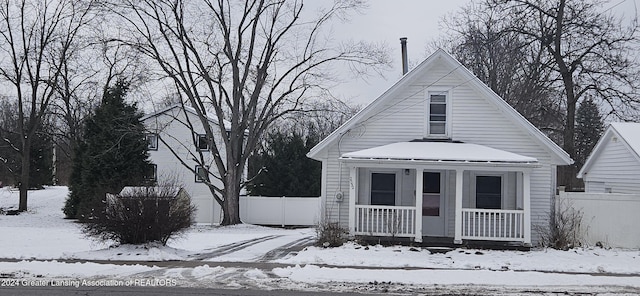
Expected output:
(447, 124)
(503, 191)
(152, 141)
(397, 173)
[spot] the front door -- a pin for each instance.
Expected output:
(433, 212)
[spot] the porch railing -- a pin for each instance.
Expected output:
(499, 225)
(385, 221)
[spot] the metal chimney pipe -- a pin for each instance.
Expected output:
(405, 63)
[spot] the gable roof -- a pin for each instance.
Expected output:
(212, 118)
(628, 132)
(459, 69)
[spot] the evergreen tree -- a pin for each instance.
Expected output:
(41, 159)
(589, 128)
(113, 154)
(286, 170)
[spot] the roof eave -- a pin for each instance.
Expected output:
(596, 151)
(443, 162)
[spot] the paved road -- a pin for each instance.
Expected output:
(124, 291)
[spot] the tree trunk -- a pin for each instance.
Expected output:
(569, 174)
(24, 173)
(231, 207)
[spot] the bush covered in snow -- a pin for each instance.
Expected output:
(143, 214)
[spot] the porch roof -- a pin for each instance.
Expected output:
(439, 152)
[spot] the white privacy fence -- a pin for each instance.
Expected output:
(607, 218)
(283, 211)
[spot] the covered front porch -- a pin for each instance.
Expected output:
(436, 189)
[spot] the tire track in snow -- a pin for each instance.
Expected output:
(233, 247)
(287, 249)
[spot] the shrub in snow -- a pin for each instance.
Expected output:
(330, 234)
(564, 230)
(143, 214)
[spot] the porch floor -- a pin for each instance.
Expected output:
(443, 244)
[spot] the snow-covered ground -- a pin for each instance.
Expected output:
(48, 249)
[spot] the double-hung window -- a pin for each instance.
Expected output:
(437, 117)
(383, 189)
(152, 173)
(203, 143)
(489, 192)
(152, 141)
(201, 173)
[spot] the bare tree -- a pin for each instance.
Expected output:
(35, 37)
(480, 37)
(91, 66)
(248, 63)
(590, 50)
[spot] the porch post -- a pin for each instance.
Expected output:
(457, 238)
(353, 195)
(418, 217)
(526, 203)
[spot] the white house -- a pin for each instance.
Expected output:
(175, 136)
(614, 163)
(483, 172)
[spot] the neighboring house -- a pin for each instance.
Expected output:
(175, 136)
(483, 172)
(614, 163)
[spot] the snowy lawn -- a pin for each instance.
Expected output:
(43, 234)
(579, 260)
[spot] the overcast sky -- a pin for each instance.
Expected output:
(386, 21)
(419, 21)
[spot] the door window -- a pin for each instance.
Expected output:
(430, 194)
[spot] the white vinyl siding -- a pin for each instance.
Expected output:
(170, 127)
(473, 118)
(615, 168)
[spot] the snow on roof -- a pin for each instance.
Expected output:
(439, 151)
(630, 132)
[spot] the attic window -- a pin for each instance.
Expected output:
(437, 114)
